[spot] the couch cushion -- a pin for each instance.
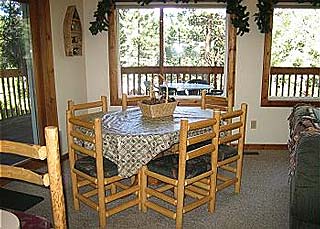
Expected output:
(87, 165)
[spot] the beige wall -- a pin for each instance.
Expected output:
(70, 75)
(96, 57)
(86, 78)
(272, 126)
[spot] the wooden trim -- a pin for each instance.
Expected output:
(114, 86)
(266, 147)
(113, 59)
(267, 69)
(231, 62)
(43, 65)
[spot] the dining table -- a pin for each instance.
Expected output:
(131, 140)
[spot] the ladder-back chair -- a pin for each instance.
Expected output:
(132, 100)
(181, 170)
(85, 108)
(214, 102)
(232, 128)
(52, 178)
(95, 180)
(231, 147)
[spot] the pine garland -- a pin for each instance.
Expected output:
(265, 7)
(239, 20)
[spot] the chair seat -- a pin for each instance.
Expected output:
(225, 151)
(87, 165)
(168, 166)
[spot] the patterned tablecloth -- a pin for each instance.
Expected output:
(131, 141)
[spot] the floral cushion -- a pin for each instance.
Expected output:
(87, 165)
(168, 166)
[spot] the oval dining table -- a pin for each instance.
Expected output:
(131, 140)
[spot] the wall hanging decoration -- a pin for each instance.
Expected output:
(72, 32)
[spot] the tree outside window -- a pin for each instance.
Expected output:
(292, 58)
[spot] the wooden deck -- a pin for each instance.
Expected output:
(15, 129)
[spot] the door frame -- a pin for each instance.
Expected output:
(43, 67)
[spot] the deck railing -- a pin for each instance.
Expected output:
(14, 93)
(133, 79)
(294, 82)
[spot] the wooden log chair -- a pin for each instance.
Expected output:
(232, 128)
(132, 100)
(91, 108)
(52, 178)
(181, 170)
(95, 180)
(214, 102)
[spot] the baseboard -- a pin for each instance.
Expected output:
(266, 147)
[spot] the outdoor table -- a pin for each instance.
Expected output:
(131, 140)
(186, 86)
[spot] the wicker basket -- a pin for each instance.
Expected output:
(157, 110)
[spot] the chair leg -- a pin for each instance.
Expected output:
(138, 177)
(238, 176)
(102, 205)
(143, 186)
(75, 191)
(212, 192)
(180, 200)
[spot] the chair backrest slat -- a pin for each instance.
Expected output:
(22, 149)
(53, 178)
(83, 150)
(200, 138)
(214, 102)
(22, 174)
(231, 126)
(207, 138)
(200, 151)
(132, 100)
(81, 136)
(201, 124)
(102, 104)
(81, 123)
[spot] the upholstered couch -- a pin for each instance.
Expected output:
(304, 175)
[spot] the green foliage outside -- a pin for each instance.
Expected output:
(192, 37)
(296, 38)
(13, 32)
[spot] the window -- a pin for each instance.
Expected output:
(182, 44)
(291, 71)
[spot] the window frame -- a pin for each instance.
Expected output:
(285, 102)
(114, 71)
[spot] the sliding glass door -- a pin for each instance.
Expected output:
(18, 120)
